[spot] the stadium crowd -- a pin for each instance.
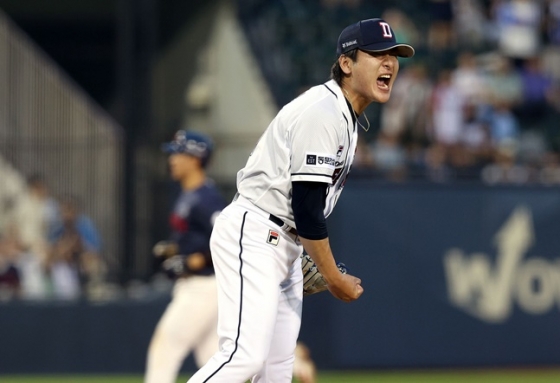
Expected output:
(49, 249)
(480, 101)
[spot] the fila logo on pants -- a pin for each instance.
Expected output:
(273, 238)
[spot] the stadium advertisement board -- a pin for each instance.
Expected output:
(453, 276)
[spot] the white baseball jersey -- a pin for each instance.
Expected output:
(257, 262)
(313, 138)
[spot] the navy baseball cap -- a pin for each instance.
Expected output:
(192, 143)
(371, 35)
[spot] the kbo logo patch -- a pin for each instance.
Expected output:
(311, 159)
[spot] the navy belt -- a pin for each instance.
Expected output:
(281, 223)
(274, 219)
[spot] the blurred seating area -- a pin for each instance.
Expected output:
(479, 102)
(49, 249)
(60, 173)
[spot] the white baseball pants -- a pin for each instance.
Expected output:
(260, 295)
(188, 324)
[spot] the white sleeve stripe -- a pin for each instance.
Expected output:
(311, 174)
(310, 177)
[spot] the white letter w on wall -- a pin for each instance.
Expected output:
(483, 290)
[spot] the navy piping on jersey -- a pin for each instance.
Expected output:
(354, 115)
(240, 300)
(347, 102)
(330, 90)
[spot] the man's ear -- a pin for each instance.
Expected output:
(346, 64)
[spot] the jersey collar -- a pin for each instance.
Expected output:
(345, 106)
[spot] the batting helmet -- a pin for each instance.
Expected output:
(192, 143)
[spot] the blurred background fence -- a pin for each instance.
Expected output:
(50, 127)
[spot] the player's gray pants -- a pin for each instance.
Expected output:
(259, 296)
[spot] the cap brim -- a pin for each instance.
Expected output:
(402, 50)
(173, 148)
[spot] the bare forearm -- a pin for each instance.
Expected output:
(345, 287)
(321, 253)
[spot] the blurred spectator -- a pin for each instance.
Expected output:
(406, 113)
(475, 144)
(10, 281)
(518, 23)
(35, 213)
(470, 23)
(441, 33)
(11, 188)
(447, 105)
(74, 260)
(504, 83)
(476, 139)
(389, 157)
(468, 78)
(537, 91)
(551, 52)
(504, 128)
(553, 22)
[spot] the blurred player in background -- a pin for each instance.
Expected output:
(190, 320)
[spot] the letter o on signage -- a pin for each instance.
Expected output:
(535, 286)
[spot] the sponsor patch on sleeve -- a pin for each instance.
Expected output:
(320, 160)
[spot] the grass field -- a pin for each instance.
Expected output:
(478, 376)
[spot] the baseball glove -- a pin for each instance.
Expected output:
(313, 281)
(175, 266)
(165, 249)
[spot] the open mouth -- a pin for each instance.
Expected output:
(383, 81)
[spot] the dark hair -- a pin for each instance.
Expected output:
(336, 71)
(36, 179)
(71, 201)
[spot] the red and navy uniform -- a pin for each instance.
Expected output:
(192, 220)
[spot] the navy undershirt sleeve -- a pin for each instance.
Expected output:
(308, 204)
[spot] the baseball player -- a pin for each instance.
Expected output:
(287, 189)
(190, 320)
